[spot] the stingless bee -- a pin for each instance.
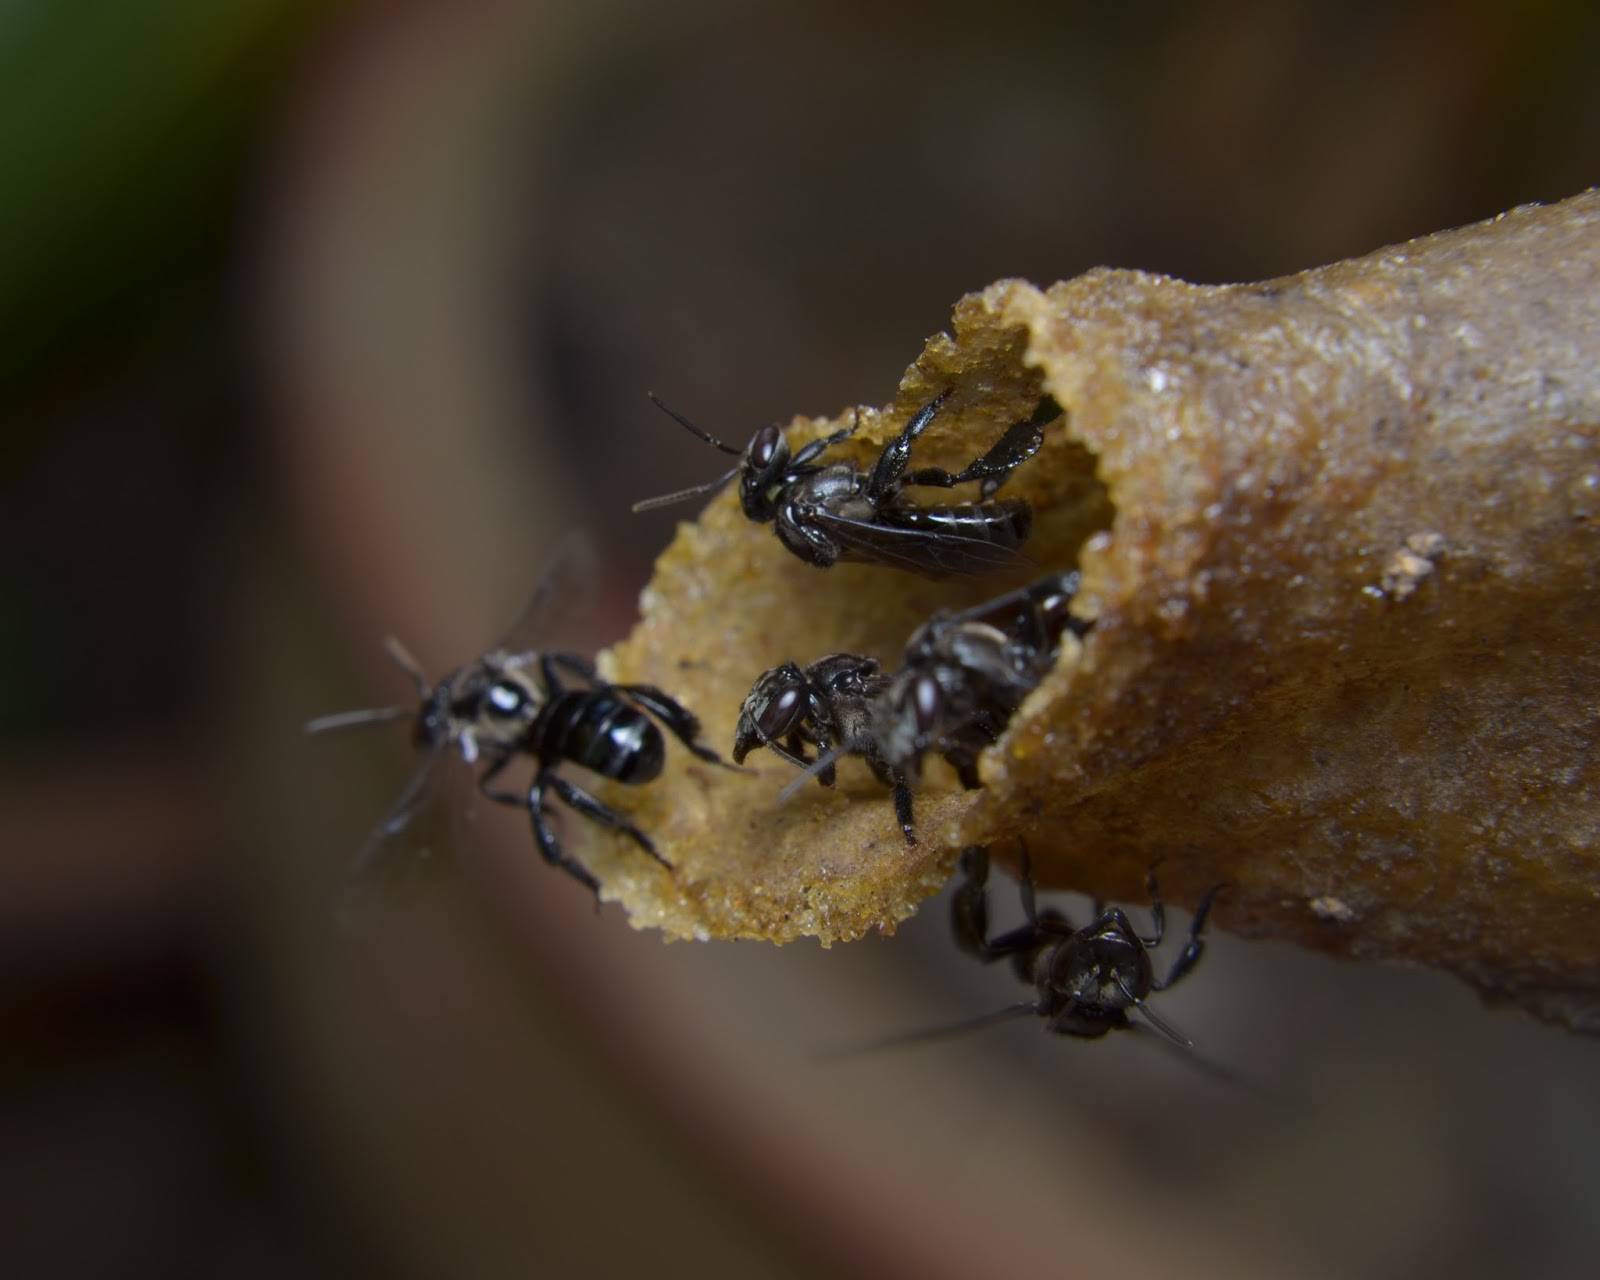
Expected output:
(1085, 979)
(550, 707)
(961, 676)
(826, 512)
(826, 705)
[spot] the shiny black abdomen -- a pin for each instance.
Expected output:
(1005, 522)
(601, 731)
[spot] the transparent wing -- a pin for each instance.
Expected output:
(418, 836)
(1184, 1049)
(929, 553)
(560, 609)
(928, 1035)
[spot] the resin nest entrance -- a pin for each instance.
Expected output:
(1338, 535)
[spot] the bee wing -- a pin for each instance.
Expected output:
(930, 553)
(560, 609)
(419, 833)
(1179, 1044)
(928, 1035)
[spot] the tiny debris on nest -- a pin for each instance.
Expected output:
(1332, 910)
(1411, 564)
(1237, 470)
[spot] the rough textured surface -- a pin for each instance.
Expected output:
(1345, 595)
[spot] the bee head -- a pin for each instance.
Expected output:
(761, 473)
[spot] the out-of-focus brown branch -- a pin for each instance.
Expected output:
(1339, 535)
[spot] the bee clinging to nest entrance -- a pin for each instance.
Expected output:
(825, 512)
(961, 676)
(1086, 978)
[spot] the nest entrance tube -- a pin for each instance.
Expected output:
(1340, 536)
(728, 601)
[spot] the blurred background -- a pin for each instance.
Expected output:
(323, 320)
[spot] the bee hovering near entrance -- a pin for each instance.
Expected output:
(550, 707)
(826, 512)
(1085, 979)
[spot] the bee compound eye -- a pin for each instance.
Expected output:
(781, 711)
(764, 447)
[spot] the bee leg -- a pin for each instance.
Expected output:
(809, 453)
(828, 774)
(495, 793)
(1030, 907)
(793, 749)
(545, 837)
(969, 906)
(1020, 442)
(1195, 947)
(902, 805)
(571, 663)
(676, 718)
(1158, 914)
(799, 531)
(790, 751)
(887, 473)
(966, 767)
(580, 800)
(1023, 943)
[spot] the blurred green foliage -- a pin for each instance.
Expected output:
(125, 134)
(131, 139)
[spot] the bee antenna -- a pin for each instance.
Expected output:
(689, 426)
(407, 663)
(816, 767)
(378, 715)
(1160, 1024)
(350, 719)
(1264, 1092)
(1163, 1026)
(696, 491)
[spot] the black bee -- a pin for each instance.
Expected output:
(1085, 979)
(827, 705)
(961, 676)
(825, 512)
(550, 707)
